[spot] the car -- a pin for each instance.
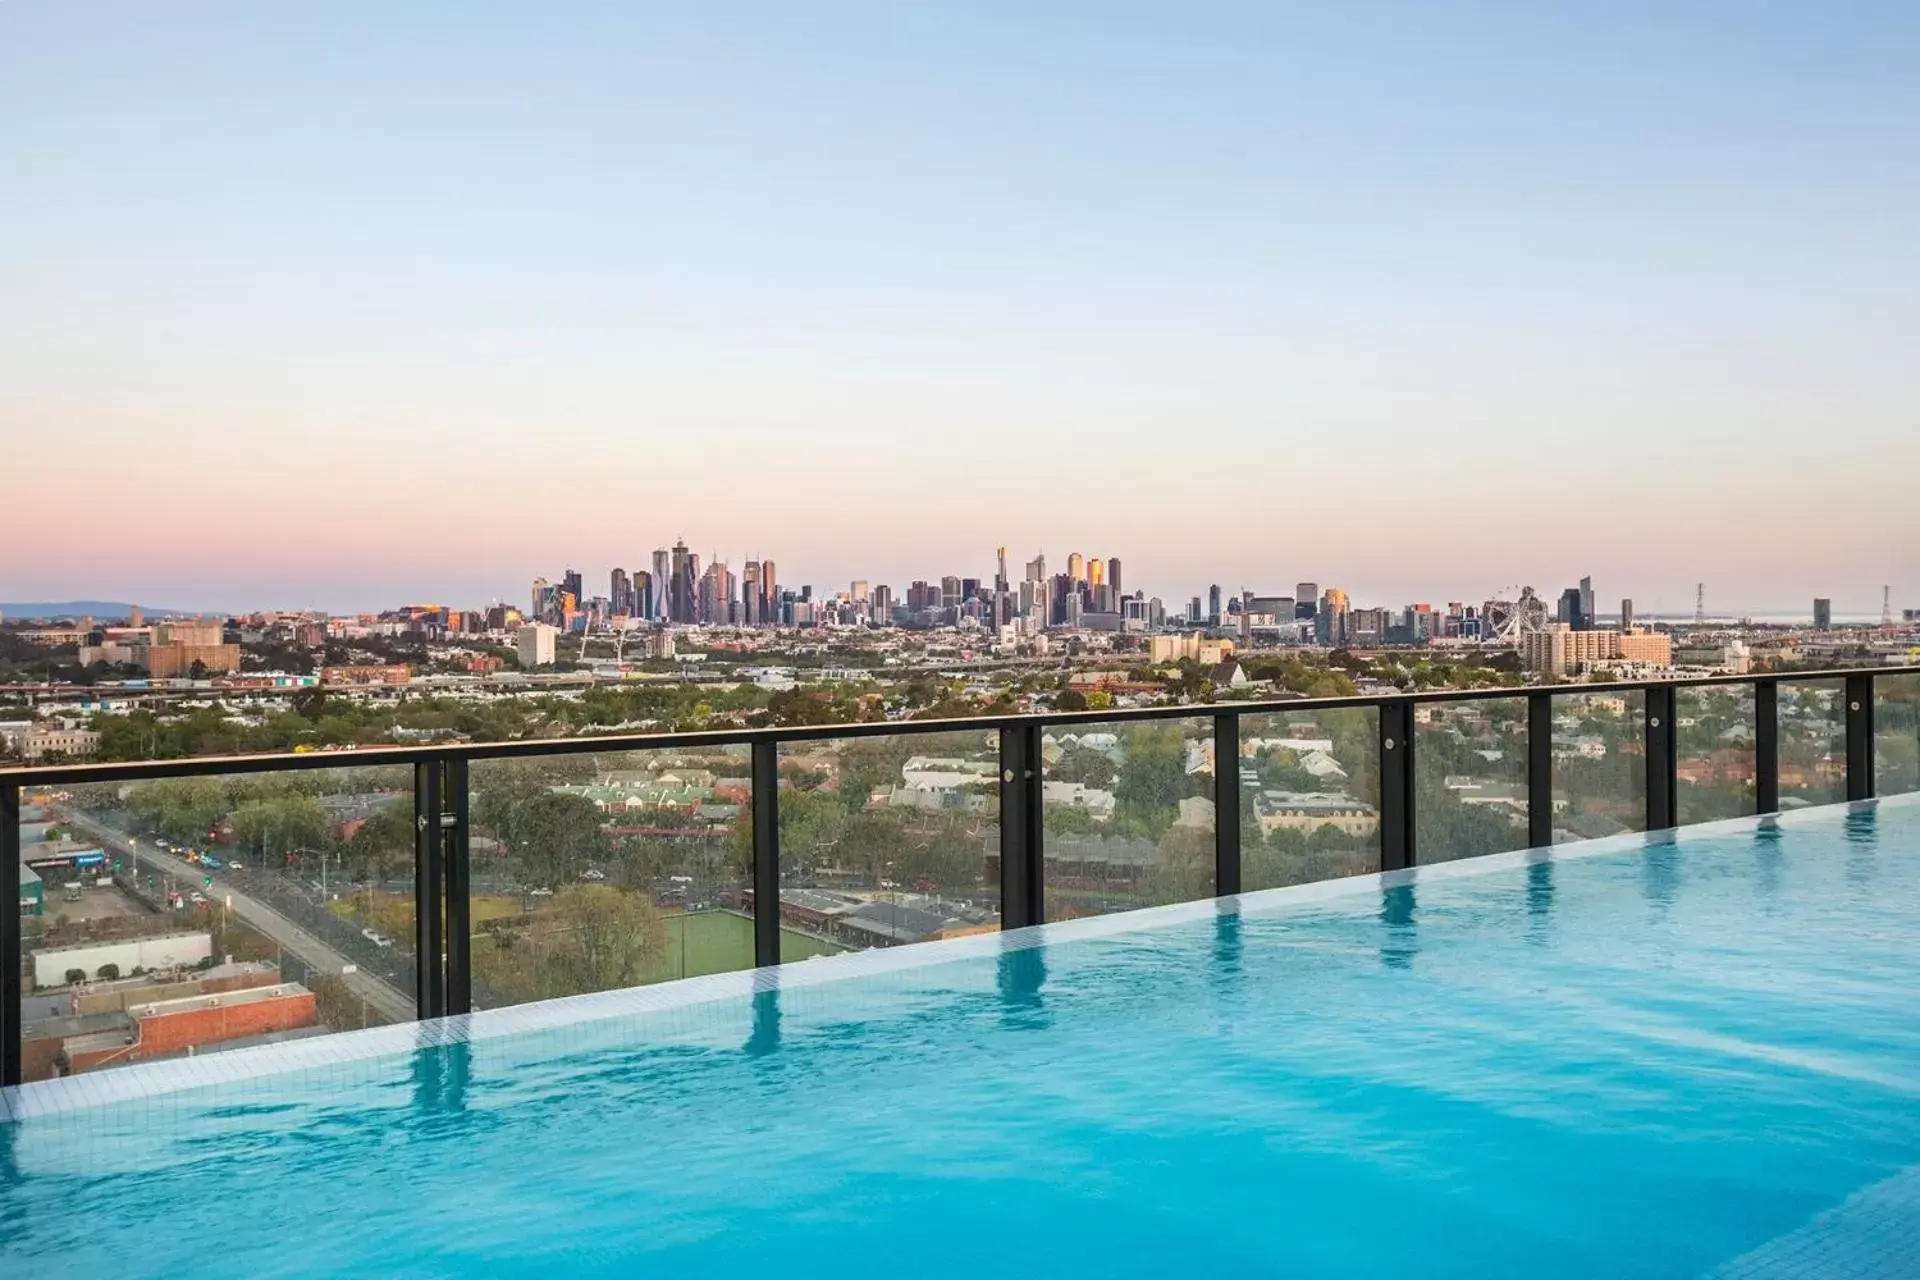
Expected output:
(371, 935)
(208, 860)
(198, 899)
(542, 892)
(382, 940)
(591, 874)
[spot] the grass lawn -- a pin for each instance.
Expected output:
(719, 942)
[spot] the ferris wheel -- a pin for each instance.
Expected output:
(1515, 612)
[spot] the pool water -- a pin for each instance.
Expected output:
(1628, 1058)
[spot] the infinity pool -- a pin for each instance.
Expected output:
(1624, 1058)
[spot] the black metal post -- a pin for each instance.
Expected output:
(1662, 780)
(1766, 746)
(1022, 900)
(1396, 785)
(766, 853)
(10, 941)
(1539, 770)
(1226, 803)
(430, 987)
(1860, 736)
(459, 860)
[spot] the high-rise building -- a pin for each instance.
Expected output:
(645, 603)
(662, 582)
(882, 612)
(1213, 605)
(537, 605)
(858, 591)
(1000, 570)
(1113, 575)
(1077, 567)
(1573, 610)
(750, 593)
(1193, 610)
(680, 604)
(950, 596)
(1096, 572)
(1586, 602)
(533, 644)
(620, 593)
(969, 589)
(570, 582)
(1037, 568)
(769, 594)
(1330, 620)
(1626, 614)
(1307, 593)
(1822, 612)
(716, 594)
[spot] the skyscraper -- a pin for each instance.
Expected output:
(750, 597)
(538, 603)
(1213, 605)
(1113, 574)
(1822, 612)
(646, 602)
(680, 585)
(1586, 603)
(1077, 567)
(769, 593)
(1037, 568)
(662, 579)
(1572, 610)
(571, 583)
(620, 593)
(1000, 571)
(950, 593)
(1626, 615)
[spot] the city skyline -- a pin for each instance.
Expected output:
(1395, 293)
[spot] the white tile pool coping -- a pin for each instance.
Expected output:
(152, 1079)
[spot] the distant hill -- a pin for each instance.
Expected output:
(16, 610)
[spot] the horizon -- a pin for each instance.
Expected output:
(1435, 303)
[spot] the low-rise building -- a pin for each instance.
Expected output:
(1310, 810)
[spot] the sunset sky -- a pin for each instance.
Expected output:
(344, 305)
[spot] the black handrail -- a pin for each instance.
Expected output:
(442, 828)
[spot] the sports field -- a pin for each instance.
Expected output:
(719, 942)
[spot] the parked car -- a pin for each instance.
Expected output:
(591, 874)
(382, 940)
(371, 935)
(542, 892)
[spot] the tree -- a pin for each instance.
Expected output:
(586, 938)
(108, 972)
(183, 808)
(76, 975)
(1070, 700)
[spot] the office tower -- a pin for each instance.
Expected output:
(1308, 594)
(1822, 612)
(969, 589)
(1077, 567)
(883, 605)
(950, 596)
(750, 593)
(1076, 606)
(716, 594)
(1000, 570)
(1213, 605)
(645, 602)
(1096, 572)
(680, 585)
(538, 603)
(1330, 621)
(1037, 568)
(1113, 575)
(571, 584)
(857, 591)
(1586, 603)
(1626, 614)
(662, 578)
(1572, 610)
(620, 593)
(1062, 587)
(1193, 610)
(769, 593)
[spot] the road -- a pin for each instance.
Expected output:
(392, 1003)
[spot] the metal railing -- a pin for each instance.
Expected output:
(442, 856)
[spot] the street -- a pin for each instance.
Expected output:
(391, 1002)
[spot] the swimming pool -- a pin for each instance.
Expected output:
(1630, 1057)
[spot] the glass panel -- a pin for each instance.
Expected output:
(1128, 810)
(194, 915)
(598, 871)
(1599, 765)
(1309, 796)
(1813, 743)
(1713, 751)
(885, 841)
(1896, 734)
(1470, 778)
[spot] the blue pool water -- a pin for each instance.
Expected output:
(1626, 1059)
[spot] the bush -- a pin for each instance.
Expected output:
(137, 972)
(108, 972)
(76, 975)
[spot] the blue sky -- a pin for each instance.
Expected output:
(367, 302)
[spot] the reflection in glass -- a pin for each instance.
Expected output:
(1599, 765)
(597, 871)
(1470, 774)
(1128, 812)
(185, 916)
(1713, 751)
(1896, 734)
(1309, 796)
(888, 841)
(1813, 743)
